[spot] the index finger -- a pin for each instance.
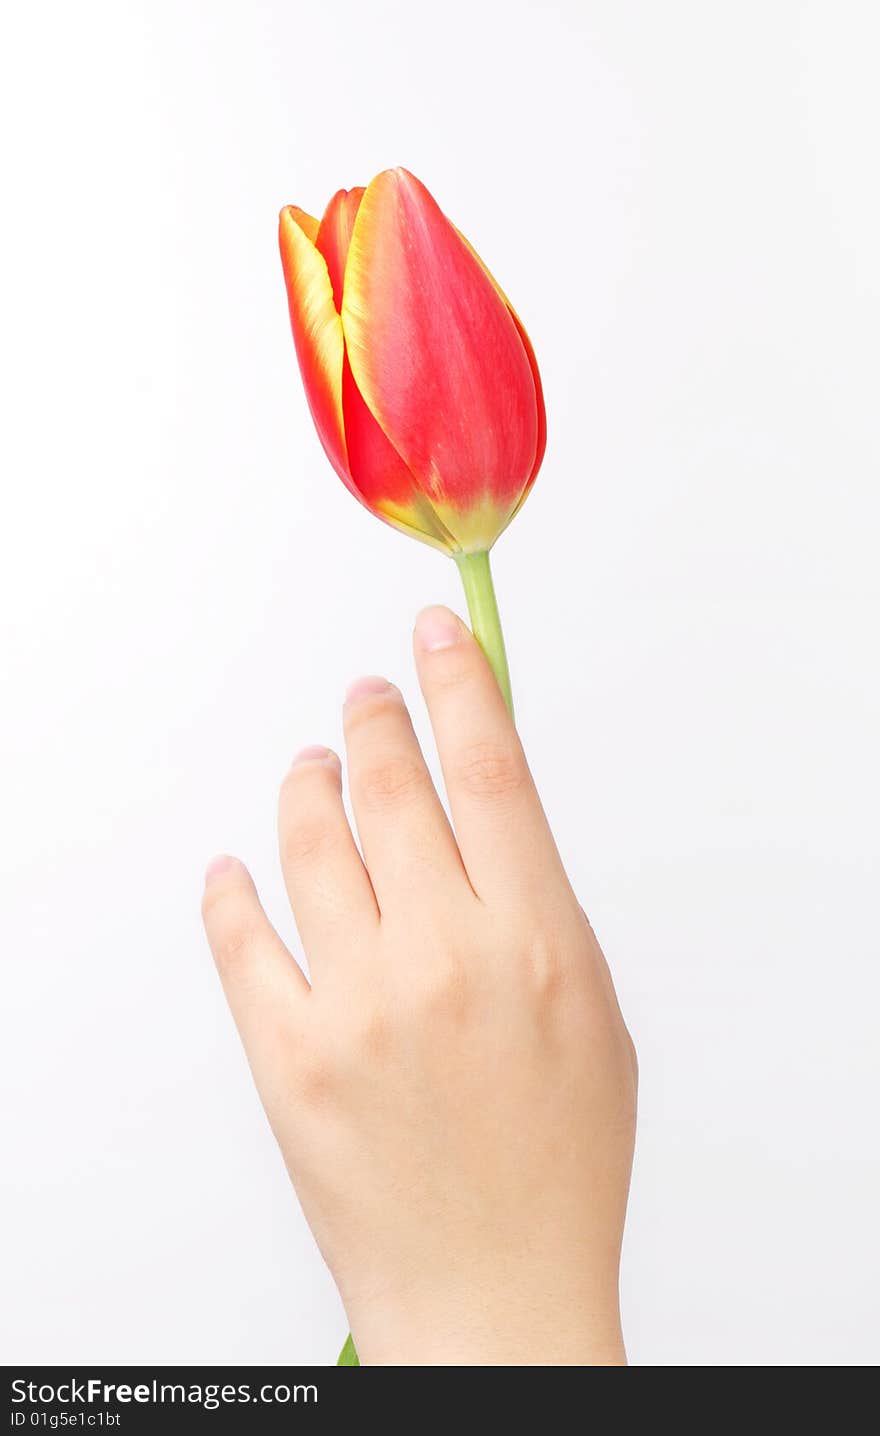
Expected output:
(502, 831)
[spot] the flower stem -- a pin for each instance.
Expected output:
(479, 591)
(348, 1356)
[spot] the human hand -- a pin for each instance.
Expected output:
(454, 1090)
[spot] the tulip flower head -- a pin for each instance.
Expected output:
(420, 378)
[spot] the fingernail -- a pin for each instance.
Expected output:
(437, 628)
(218, 865)
(361, 687)
(314, 753)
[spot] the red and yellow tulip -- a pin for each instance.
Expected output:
(420, 378)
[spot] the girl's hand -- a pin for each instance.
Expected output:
(453, 1089)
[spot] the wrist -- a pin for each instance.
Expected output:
(484, 1331)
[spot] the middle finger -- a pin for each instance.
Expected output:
(408, 845)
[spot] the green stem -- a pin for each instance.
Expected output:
(479, 591)
(348, 1356)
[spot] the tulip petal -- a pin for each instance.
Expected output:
(436, 353)
(536, 375)
(381, 479)
(317, 331)
(307, 222)
(541, 445)
(530, 355)
(334, 235)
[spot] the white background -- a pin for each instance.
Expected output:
(682, 201)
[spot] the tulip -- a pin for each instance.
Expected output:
(421, 380)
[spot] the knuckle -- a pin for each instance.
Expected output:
(304, 807)
(444, 991)
(306, 840)
(313, 1078)
(234, 947)
(391, 783)
(233, 921)
(491, 770)
(546, 969)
